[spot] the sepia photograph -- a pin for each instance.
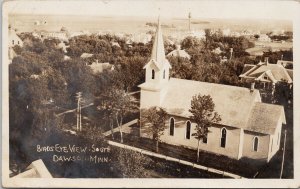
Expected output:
(163, 93)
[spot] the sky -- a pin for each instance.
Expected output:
(266, 9)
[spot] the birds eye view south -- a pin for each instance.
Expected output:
(149, 95)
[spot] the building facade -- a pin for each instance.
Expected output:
(249, 128)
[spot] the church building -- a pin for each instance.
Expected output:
(249, 128)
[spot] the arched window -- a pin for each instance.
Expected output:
(223, 137)
(13, 42)
(188, 130)
(164, 74)
(172, 126)
(204, 140)
(153, 74)
(255, 144)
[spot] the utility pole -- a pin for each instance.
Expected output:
(283, 154)
(231, 52)
(78, 96)
(190, 16)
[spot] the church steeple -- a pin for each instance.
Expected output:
(158, 50)
(155, 87)
(157, 69)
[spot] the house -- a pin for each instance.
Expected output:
(267, 74)
(86, 55)
(179, 53)
(14, 39)
(11, 54)
(248, 129)
(264, 38)
(98, 67)
(62, 46)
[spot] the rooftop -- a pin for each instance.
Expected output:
(237, 106)
(276, 71)
(232, 103)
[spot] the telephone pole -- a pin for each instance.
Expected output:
(283, 154)
(231, 52)
(79, 97)
(190, 16)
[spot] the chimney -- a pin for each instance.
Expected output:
(267, 60)
(252, 87)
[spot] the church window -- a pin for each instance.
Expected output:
(188, 130)
(164, 75)
(223, 137)
(204, 140)
(255, 144)
(172, 126)
(13, 42)
(153, 74)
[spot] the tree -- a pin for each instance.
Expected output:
(118, 104)
(204, 115)
(132, 164)
(153, 120)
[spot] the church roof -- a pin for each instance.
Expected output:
(264, 118)
(237, 106)
(158, 56)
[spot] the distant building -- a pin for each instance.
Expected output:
(217, 50)
(14, 39)
(249, 128)
(141, 38)
(179, 53)
(86, 55)
(226, 32)
(60, 35)
(62, 46)
(115, 44)
(98, 67)
(264, 38)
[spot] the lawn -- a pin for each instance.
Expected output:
(243, 167)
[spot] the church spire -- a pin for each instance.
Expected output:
(158, 50)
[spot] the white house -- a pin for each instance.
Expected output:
(249, 128)
(179, 53)
(14, 39)
(264, 38)
(98, 67)
(267, 73)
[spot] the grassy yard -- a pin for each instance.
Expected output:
(241, 167)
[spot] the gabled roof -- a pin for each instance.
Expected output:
(232, 103)
(264, 118)
(86, 55)
(237, 106)
(277, 71)
(179, 53)
(158, 56)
